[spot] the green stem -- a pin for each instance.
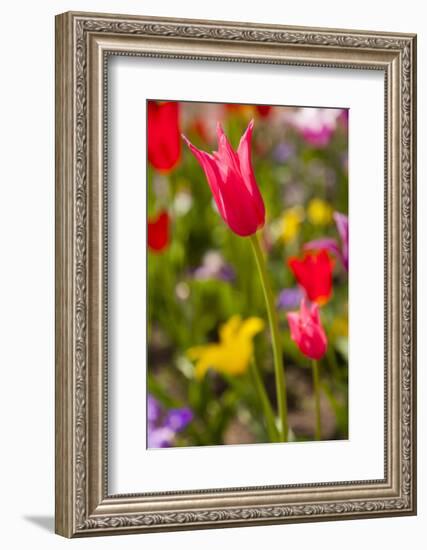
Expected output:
(265, 401)
(316, 384)
(275, 337)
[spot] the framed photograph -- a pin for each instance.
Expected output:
(235, 274)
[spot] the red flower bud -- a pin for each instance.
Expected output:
(158, 232)
(164, 143)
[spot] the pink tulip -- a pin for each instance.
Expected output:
(307, 331)
(232, 182)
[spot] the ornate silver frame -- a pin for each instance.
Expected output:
(83, 42)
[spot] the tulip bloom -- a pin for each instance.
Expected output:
(232, 182)
(314, 274)
(233, 352)
(164, 143)
(307, 331)
(158, 232)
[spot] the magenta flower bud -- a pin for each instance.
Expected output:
(307, 331)
(232, 181)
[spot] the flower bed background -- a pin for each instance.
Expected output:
(212, 373)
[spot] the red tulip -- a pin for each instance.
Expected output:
(314, 274)
(158, 232)
(164, 144)
(232, 182)
(307, 331)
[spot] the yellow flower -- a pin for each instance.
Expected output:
(234, 350)
(319, 212)
(291, 221)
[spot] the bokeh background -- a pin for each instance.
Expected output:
(200, 274)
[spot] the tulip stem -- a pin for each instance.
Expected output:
(279, 370)
(316, 384)
(265, 402)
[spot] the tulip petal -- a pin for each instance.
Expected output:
(228, 330)
(341, 221)
(226, 156)
(314, 313)
(252, 326)
(240, 211)
(210, 168)
(239, 202)
(233, 353)
(305, 312)
(164, 145)
(293, 320)
(206, 357)
(307, 331)
(246, 170)
(158, 232)
(314, 273)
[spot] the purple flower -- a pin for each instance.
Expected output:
(214, 267)
(163, 425)
(344, 117)
(317, 138)
(289, 298)
(341, 221)
(153, 409)
(177, 419)
(159, 438)
(283, 152)
(339, 250)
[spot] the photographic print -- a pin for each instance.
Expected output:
(213, 318)
(247, 274)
